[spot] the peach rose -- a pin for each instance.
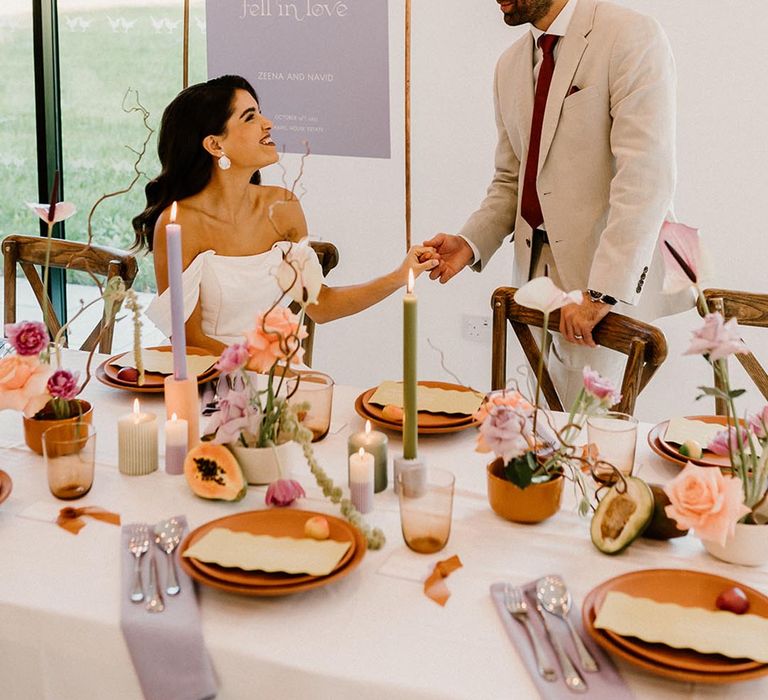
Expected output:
(705, 501)
(22, 384)
(502, 397)
(276, 337)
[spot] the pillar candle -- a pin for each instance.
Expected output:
(137, 442)
(178, 335)
(410, 407)
(375, 443)
(182, 398)
(175, 444)
(361, 480)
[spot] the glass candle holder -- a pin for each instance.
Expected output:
(426, 507)
(316, 389)
(70, 454)
(614, 435)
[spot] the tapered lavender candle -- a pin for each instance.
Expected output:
(178, 335)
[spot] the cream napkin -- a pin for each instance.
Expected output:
(266, 553)
(162, 362)
(705, 631)
(680, 430)
(429, 399)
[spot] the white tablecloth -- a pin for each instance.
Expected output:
(372, 634)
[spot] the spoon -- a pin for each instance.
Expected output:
(554, 597)
(167, 537)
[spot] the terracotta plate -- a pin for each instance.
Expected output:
(284, 523)
(708, 459)
(690, 588)
(429, 423)
(286, 586)
(6, 485)
(106, 373)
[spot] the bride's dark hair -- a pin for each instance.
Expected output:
(197, 112)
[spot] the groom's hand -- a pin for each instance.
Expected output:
(454, 254)
(578, 320)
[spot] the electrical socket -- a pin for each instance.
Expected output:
(476, 328)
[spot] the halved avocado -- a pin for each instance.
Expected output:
(622, 516)
(661, 527)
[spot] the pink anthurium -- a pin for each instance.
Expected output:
(62, 211)
(682, 255)
(543, 295)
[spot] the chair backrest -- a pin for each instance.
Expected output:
(748, 309)
(328, 255)
(95, 260)
(644, 345)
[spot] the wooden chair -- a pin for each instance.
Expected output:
(328, 255)
(748, 309)
(102, 261)
(644, 345)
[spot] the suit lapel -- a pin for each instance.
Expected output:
(523, 80)
(572, 48)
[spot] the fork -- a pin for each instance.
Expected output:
(138, 545)
(514, 601)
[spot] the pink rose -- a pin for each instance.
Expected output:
(716, 339)
(277, 336)
(27, 337)
(720, 443)
(283, 492)
(233, 358)
(600, 387)
(503, 432)
(705, 501)
(22, 384)
(62, 384)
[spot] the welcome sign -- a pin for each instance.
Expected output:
(320, 68)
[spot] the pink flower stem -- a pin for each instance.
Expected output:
(46, 267)
(539, 373)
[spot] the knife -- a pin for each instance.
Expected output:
(155, 603)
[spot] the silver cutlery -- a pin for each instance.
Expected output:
(573, 679)
(138, 545)
(555, 598)
(514, 601)
(155, 603)
(167, 537)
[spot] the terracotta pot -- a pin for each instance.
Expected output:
(748, 546)
(533, 504)
(35, 427)
(260, 465)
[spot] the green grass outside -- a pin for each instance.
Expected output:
(98, 66)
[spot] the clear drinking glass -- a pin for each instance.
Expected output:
(70, 451)
(316, 389)
(614, 435)
(426, 507)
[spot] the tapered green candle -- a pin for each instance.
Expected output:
(410, 408)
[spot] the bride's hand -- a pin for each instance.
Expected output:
(419, 258)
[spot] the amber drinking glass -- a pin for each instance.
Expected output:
(70, 451)
(426, 507)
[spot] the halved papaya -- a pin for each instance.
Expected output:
(213, 472)
(622, 515)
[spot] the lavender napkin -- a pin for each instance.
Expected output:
(167, 648)
(605, 683)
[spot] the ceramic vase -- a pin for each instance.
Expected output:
(260, 465)
(36, 426)
(748, 546)
(533, 504)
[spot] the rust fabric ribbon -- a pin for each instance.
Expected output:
(71, 519)
(435, 586)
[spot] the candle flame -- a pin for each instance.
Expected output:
(173, 212)
(367, 427)
(136, 407)
(361, 453)
(410, 281)
(174, 417)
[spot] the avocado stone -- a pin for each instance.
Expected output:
(622, 515)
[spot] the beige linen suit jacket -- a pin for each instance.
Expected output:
(606, 171)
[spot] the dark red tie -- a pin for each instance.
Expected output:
(530, 205)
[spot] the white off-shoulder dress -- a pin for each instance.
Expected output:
(232, 290)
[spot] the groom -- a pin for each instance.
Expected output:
(584, 170)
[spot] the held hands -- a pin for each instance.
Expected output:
(578, 320)
(419, 258)
(453, 254)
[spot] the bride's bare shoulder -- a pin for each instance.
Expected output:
(285, 211)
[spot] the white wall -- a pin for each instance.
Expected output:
(359, 204)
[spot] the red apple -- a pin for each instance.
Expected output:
(733, 600)
(128, 374)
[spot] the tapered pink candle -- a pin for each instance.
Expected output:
(178, 335)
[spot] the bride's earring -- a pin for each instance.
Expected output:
(224, 162)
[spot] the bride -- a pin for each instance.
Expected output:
(213, 141)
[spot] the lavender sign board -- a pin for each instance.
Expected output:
(320, 68)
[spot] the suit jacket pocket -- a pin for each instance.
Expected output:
(586, 94)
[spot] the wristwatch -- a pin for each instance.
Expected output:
(599, 296)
